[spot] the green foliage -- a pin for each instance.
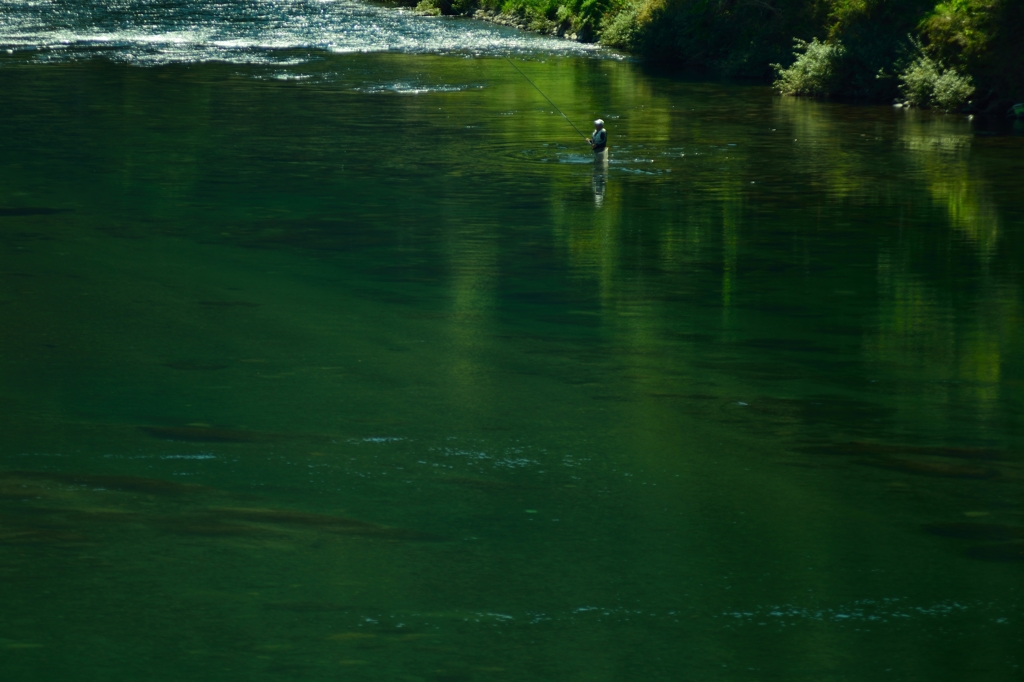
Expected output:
(816, 72)
(621, 27)
(429, 7)
(960, 29)
(736, 37)
(874, 33)
(981, 38)
(952, 90)
(574, 16)
(926, 82)
(852, 43)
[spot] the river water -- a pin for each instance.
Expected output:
(327, 352)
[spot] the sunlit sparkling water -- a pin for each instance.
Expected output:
(287, 31)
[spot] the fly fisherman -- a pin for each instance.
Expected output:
(599, 138)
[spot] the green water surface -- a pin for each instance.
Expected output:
(362, 370)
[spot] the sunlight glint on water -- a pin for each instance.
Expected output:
(292, 31)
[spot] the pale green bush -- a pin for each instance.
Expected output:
(620, 27)
(927, 82)
(952, 90)
(428, 7)
(917, 81)
(816, 71)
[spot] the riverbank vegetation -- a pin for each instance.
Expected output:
(949, 55)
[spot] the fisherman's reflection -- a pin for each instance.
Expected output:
(600, 179)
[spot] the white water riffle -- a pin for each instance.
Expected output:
(253, 31)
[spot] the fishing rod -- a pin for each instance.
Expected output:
(585, 138)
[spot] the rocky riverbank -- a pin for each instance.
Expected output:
(544, 26)
(522, 18)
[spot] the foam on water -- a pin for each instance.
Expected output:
(252, 32)
(406, 88)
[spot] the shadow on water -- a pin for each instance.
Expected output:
(53, 508)
(28, 211)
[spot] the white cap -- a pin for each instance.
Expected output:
(599, 122)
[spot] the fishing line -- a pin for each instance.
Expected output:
(585, 138)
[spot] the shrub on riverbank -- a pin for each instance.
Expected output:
(823, 70)
(927, 82)
(873, 50)
(577, 18)
(816, 72)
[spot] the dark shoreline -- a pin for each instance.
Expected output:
(946, 57)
